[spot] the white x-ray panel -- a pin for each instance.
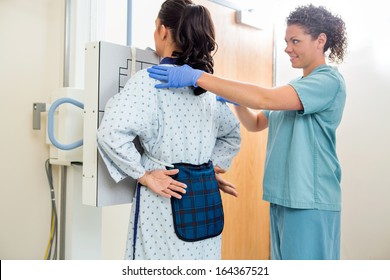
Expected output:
(107, 69)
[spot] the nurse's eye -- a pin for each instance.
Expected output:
(295, 41)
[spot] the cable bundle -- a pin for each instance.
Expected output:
(51, 250)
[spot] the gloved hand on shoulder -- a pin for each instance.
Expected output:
(221, 99)
(175, 77)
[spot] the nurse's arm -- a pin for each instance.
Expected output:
(250, 95)
(251, 120)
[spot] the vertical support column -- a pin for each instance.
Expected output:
(129, 19)
(62, 213)
(63, 170)
(67, 44)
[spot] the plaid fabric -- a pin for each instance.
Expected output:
(199, 213)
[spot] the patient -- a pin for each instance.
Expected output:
(179, 129)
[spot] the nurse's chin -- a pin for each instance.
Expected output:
(296, 66)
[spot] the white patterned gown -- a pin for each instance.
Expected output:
(173, 126)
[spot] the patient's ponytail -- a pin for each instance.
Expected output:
(193, 31)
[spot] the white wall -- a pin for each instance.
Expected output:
(31, 55)
(144, 15)
(364, 135)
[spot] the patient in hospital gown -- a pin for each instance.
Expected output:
(174, 126)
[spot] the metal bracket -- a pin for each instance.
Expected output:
(38, 108)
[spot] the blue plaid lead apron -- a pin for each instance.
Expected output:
(199, 213)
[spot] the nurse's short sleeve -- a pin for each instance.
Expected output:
(317, 91)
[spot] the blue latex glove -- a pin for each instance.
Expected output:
(219, 98)
(175, 77)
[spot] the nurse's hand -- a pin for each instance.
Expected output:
(221, 99)
(224, 185)
(175, 77)
(161, 182)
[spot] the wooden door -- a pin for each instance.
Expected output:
(244, 54)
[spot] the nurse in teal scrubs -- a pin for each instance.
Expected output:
(302, 171)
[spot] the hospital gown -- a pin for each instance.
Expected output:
(173, 125)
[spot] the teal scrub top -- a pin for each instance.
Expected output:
(302, 169)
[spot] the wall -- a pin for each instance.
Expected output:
(364, 136)
(143, 22)
(31, 55)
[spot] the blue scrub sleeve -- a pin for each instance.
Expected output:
(317, 92)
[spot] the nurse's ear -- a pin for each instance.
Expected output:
(321, 39)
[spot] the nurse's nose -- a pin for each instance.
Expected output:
(288, 48)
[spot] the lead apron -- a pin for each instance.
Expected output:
(199, 213)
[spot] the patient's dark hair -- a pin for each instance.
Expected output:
(193, 31)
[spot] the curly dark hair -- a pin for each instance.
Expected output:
(317, 20)
(193, 31)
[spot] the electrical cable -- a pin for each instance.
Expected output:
(51, 250)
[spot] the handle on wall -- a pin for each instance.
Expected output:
(50, 124)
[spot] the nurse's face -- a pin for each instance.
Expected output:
(304, 51)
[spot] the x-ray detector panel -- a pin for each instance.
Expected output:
(107, 69)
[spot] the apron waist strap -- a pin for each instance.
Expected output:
(157, 160)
